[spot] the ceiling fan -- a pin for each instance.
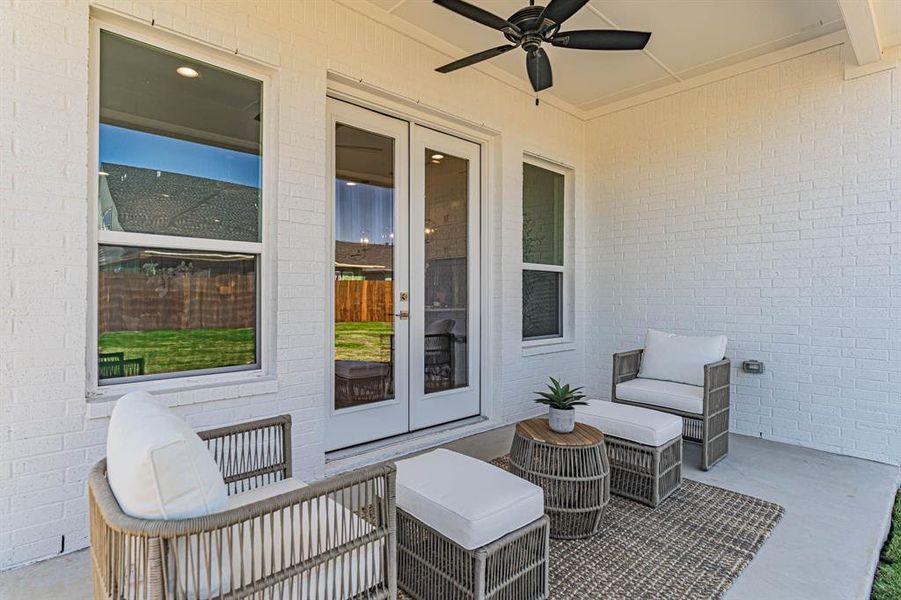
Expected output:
(533, 25)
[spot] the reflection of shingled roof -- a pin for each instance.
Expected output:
(151, 201)
(373, 257)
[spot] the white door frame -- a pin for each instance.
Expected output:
(367, 422)
(436, 408)
(355, 91)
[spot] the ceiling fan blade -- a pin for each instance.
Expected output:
(602, 39)
(479, 15)
(539, 68)
(474, 58)
(560, 10)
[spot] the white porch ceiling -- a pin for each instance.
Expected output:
(690, 37)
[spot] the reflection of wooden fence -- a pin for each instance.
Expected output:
(140, 302)
(360, 300)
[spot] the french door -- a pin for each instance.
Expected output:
(406, 333)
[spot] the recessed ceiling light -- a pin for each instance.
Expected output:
(187, 72)
(437, 156)
(351, 183)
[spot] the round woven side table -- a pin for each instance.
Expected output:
(571, 468)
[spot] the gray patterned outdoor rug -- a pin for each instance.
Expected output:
(693, 546)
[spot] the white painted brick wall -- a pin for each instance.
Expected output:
(49, 434)
(766, 207)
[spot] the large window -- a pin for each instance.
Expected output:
(179, 215)
(543, 252)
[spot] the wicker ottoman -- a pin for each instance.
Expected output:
(644, 448)
(466, 529)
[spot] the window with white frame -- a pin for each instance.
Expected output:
(543, 252)
(179, 215)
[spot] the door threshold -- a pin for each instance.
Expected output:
(346, 459)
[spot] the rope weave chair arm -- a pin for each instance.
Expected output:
(380, 478)
(251, 454)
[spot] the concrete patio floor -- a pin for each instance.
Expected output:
(836, 517)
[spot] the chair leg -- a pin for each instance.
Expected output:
(714, 443)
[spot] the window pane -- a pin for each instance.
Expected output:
(168, 311)
(179, 155)
(541, 301)
(542, 216)
(364, 267)
(446, 268)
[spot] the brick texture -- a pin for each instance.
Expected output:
(767, 207)
(49, 433)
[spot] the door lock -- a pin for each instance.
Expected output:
(404, 296)
(403, 315)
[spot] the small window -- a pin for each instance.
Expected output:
(179, 213)
(543, 249)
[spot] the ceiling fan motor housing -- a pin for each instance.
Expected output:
(527, 20)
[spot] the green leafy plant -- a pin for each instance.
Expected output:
(561, 397)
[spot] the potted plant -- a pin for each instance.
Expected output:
(561, 402)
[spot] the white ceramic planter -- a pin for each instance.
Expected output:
(561, 421)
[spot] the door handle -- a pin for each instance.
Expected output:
(403, 315)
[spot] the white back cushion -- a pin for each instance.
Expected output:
(157, 467)
(679, 358)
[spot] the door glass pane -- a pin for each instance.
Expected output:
(168, 311)
(364, 267)
(541, 300)
(179, 145)
(542, 216)
(446, 270)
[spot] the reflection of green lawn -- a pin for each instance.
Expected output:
(363, 340)
(171, 350)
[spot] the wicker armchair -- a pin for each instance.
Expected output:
(330, 540)
(711, 427)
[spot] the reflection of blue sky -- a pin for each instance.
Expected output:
(133, 148)
(364, 210)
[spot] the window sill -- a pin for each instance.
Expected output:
(182, 392)
(538, 347)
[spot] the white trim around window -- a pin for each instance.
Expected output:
(219, 383)
(566, 340)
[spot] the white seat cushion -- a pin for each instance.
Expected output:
(264, 492)
(465, 499)
(316, 527)
(640, 425)
(254, 553)
(666, 394)
(157, 467)
(679, 358)
(361, 369)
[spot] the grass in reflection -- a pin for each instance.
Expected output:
(173, 350)
(363, 340)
